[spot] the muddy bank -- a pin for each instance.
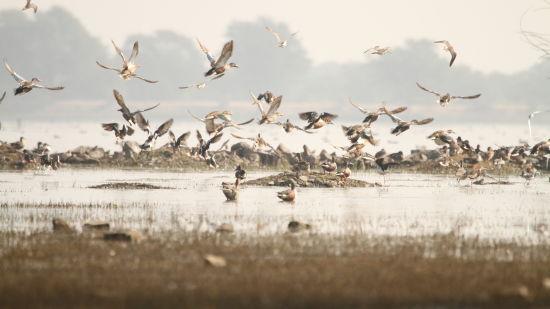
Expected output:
(312, 180)
(128, 186)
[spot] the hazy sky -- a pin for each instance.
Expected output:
(484, 33)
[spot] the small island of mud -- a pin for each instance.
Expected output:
(312, 180)
(128, 186)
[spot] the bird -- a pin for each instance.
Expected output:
(121, 131)
(259, 142)
(531, 117)
(271, 114)
(373, 116)
(345, 173)
(403, 126)
(289, 126)
(160, 131)
(267, 96)
(529, 173)
(444, 99)
(317, 121)
(377, 50)
(288, 195)
(219, 66)
(201, 84)
(180, 141)
(128, 65)
(442, 137)
(212, 127)
(280, 42)
(30, 5)
(126, 113)
(25, 85)
(240, 173)
(329, 166)
(230, 190)
(204, 146)
(448, 47)
(48, 161)
(2, 97)
(19, 145)
(383, 164)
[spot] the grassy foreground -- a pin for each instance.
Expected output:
(286, 270)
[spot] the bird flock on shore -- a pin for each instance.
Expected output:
(456, 153)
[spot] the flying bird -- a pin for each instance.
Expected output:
(317, 121)
(377, 50)
(121, 131)
(128, 65)
(213, 127)
(448, 47)
(201, 84)
(271, 114)
(220, 65)
(180, 141)
(531, 117)
(444, 99)
(289, 126)
(161, 130)
(373, 116)
(25, 85)
(280, 42)
(259, 142)
(403, 126)
(126, 113)
(30, 5)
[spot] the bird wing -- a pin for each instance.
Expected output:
(257, 102)
(164, 127)
(49, 88)
(142, 123)
(274, 106)
(362, 110)
(109, 126)
(225, 55)
(424, 121)
(328, 116)
(130, 131)
(183, 138)
(276, 34)
(199, 138)
(398, 110)
(144, 79)
(453, 55)
(120, 100)
(172, 136)
(3, 96)
(308, 115)
(147, 109)
(119, 52)
(426, 89)
(16, 76)
(108, 68)
(199, 119)
(135, 52)
(240, 137)
(394, 118)
(208, 54)
(467, 97)
(246, 122)
(215, 139)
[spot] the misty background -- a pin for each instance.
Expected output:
(54, 46)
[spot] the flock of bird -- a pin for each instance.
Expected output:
(268, 104)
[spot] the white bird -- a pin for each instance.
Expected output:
(280, 42)
(377, 50)
(531, 117)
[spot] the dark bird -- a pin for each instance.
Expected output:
(126, 113)
(25, 85)
(219, 66)
(288, 195)
(444, 99)
(317, 121)
(121, 131)
(180, 141)
(373, 116)
(128, 65)
(161, 130)
(240, 173)
(403, 126)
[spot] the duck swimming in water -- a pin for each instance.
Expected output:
(25, 85)
(288, 195)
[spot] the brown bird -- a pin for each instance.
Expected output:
(121, 131)
(160, 131)
(329, 166)
(448, 47)
(230, 190)
(25, 85)
(288, 195)
(219, 66)
(373, 116)
(128, 65)
(212, 127)
(126, 113)
(30, 5)
(317, 121)
(444, 99)
(271, 114)
(289, 126)
(403, 126)
(180, 141)
(259, 142)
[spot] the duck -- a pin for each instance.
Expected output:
(288, 195)
(377, 50)
(219, 66)
(47, 161)
(176, 143)
(126, 113)
(345, 173)
(240, 173)
(442, 137)
(271, 114)
(280, 42)
(19, 145)
(231, 191)
(300, 165)
(200, 85)
(317, 121)
(329, 166)
(30, 5)
(373, 116)
(529, 173)
(160, 131)
(204, 146)
(403, 126)
(26, 85)
(259, 142)
(444, 99)
(212, 127)
(289, 126)
(128, 65)
(121, 131)
(448, 47)
(267, 96)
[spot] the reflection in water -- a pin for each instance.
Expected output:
(410, 205)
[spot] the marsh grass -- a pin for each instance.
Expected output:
(306, 269)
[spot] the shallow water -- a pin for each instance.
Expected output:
(409, 204)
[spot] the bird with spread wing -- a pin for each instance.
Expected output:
(128, 65)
